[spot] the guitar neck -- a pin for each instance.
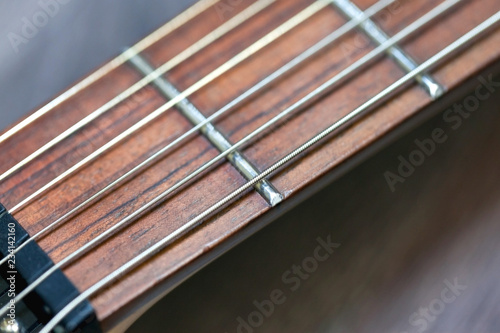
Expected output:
(209, 57)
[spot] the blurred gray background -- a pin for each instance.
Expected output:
(79, 36)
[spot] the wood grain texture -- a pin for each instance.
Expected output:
(160, 274)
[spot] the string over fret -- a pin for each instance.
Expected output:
(236, 158)
(378, 36)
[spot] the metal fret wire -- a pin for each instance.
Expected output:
(434, 13)
(245, 54)
(386, 93)
(315, 49)
(161, 32)
(190, 51)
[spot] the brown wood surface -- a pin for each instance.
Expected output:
(156, 276)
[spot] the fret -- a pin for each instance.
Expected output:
(216, 138)
(378, 36)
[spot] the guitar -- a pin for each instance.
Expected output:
(209, 129)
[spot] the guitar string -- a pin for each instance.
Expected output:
(189, 52)
(161, 32)
(245, 54)
(348, 119)
(412, 28)
(299, 60)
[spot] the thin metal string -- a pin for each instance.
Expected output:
(252, 49)
(161, 32)
(314, 50)
(181, 57)
(348, 119)
(412, 28)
